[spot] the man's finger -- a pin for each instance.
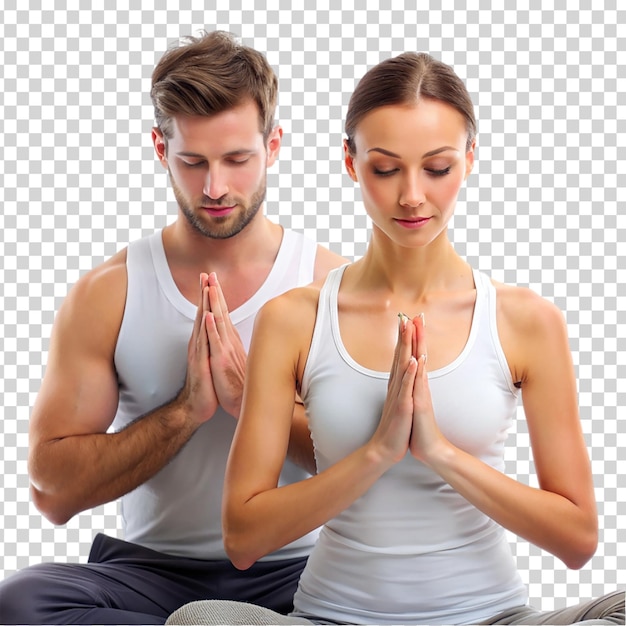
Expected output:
(218, 312)
(197, 324)
(212, 333)
(218, 306)
(202, 342)
(214, 282)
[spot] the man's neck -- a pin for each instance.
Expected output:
(241, 262)
(258, 241)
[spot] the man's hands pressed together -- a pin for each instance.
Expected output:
(216, 359)
(227, 356)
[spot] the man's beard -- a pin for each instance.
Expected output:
(220, 227)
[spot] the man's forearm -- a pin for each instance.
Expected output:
(79, 472)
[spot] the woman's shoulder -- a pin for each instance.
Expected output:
(532, 329)
(292, 308)
(526, 310)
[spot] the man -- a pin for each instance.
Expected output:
(153, 344)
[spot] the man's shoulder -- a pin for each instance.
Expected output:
(100, 288)
(91, 314)
(112, 273)
(327, 260)
(111, 270)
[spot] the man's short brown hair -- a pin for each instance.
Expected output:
(211, 74)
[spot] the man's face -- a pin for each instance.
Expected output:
(217, 166)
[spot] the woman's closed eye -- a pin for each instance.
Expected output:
(443, 172)
(429, 171)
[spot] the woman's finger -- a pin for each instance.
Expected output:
(419, 346)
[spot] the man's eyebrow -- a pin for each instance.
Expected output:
(397, 156)
(196, 155)
(240, 152)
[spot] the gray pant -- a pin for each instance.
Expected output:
(608, 609)
(124, 583)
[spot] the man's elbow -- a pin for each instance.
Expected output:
(50, 507)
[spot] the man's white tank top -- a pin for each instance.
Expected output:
(411, 550)
(178, 511)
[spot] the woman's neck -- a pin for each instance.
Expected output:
(411, 273)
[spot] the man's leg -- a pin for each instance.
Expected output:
(127, 584)
(121, 584)
(56, 593)
(608, 609)
(270, 584)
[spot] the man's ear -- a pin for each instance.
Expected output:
(348, 160)
(160, 146)
(274, 141)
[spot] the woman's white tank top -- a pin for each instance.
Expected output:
(411, 550)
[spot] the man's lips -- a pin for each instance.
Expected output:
(413, 222)
(218, 211)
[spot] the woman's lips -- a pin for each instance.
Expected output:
(413, 222)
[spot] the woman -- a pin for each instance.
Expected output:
(408, 414)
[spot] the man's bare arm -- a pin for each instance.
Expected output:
(74, 463)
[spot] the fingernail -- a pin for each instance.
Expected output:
(423, 319)
(425, 357)
(403, 320)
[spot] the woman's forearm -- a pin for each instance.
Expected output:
(549, 520)
(276, 517)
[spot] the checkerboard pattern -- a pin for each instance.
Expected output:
(542, 209)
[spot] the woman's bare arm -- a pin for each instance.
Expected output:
(559, 516)
(258, 516)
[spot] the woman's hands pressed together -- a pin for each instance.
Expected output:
(426, 438)
(408, 421)
(392, 436)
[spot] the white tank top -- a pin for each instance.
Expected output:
(178, 511)
(411, 550)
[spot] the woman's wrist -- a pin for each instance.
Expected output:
(440, 455)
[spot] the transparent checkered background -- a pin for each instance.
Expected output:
(542, 209)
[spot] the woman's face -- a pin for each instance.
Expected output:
(411, 161)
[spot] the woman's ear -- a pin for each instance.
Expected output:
(469, 159)
(348, 159)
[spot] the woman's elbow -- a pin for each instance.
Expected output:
(238, 550)
(585, 548)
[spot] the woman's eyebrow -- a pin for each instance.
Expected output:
(397, 156)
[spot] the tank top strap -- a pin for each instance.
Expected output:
(326, 308)
(488, 294)
(308, 253)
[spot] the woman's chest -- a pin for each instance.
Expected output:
(369, 330)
